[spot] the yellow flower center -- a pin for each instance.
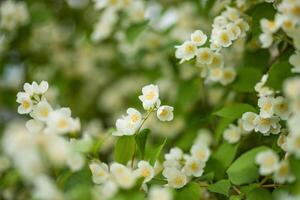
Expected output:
(135, 118)
(190, 48)
(26, 104)
(62, 124)
(150, 95)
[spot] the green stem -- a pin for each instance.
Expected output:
(137, 131)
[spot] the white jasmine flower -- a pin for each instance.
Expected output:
(295, 61)
(268, 26)
(215, 73)
(266, 40)
(75, 161)
(34, 126)
(234, 29)
(281, 108)
(232, 134)
(282, 142)
(165, 113)
(204, 137)
(198, 37)
(265, 125)
(248, 120)
(174, 154)
(217, 60)
(228, 75)
(45, 188)
(25, 102)
(122, 175)
(204, 56)
(262, 89)
(193, 167)
(268, 162)
(291, 88)
(34, 88)
(186, 51)
(293, 144)
(266, 106)
(60, 121)
(231, 13)
(150, 96)
(175, 178)
(283, 173)
(128, 125)
(145, 170)
(41, 111)
(159, 193)
(99, 171)
(224, 38)
(13, 14)
(201, 153)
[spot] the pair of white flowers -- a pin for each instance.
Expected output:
(132, 122)
(269, 163)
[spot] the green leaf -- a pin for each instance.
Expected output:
(191, 192)
(154, 156)
(259, 194)
(244, 170)
(141, 140)
(135, 30)
(234, 111)
(221, 160)
(124, 149)
(246, 79)
(222, 125)
(221, 187)
(278, 73)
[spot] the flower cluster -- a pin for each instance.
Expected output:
(110, 179)
(133, 121)
(272, 110)
(287, 18)
(269, 163)
(134, 10)
(33, 102)
(13, 15)
(179, 168)
(227, 27)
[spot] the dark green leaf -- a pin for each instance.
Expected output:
(124, 149)
(259, 194)
(141, 140)
(247, 78)
(278, 73)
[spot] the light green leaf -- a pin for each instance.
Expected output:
(135, 30)
(244, 170)
(154, 156)
(191, 192)
(221, 187)
(124, 149)
(234, 111)
(221, 159)
(141, 140)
